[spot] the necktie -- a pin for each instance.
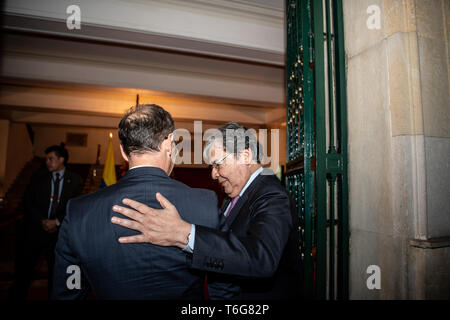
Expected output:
(233, 202)
(55, 197)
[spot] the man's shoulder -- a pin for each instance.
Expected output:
(100, 194)
(267, 183)
(96, 204)
(40, 175)
(196, 205)
(205, 194)
(72, 175)
(39, 180)
(266, 188)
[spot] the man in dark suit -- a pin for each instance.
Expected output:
(254, 252)
(45, 203)
(87, 247)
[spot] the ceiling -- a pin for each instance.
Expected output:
(90, 76)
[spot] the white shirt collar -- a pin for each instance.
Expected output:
(250, 180)
(145, 165)
(61, 173)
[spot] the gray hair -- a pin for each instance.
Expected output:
(234, 138)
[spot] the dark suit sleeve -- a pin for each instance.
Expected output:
(210, 216)
(256, 253)
(76, 188)
(67, 271)
(79, 188)
(30, 201)
(221, 288)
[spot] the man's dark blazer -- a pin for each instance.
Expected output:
(37, 197)
(112, 270)
(255, 248)
(32, 238)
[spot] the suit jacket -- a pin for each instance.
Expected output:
(254, 253)
(37, 197)
(112, 270)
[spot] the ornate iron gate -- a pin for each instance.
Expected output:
(317, 142)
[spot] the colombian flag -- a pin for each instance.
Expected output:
(109, 171)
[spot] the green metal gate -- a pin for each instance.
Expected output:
(317, 142)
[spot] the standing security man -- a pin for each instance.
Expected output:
(45, 207)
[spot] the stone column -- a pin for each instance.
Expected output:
(399, 147)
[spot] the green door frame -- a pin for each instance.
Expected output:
(317, 142)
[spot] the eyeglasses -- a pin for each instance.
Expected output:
(216, 164)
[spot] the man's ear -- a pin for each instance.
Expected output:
(166, 145)
(124, 155)
(246, 156)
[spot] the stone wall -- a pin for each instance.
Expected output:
(399, 146)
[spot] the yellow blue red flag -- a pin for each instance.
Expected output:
(109, 170)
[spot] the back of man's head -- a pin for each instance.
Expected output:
(144, 128)
(60, 151)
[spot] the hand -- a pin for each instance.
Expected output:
(49, 225)
(163, 227)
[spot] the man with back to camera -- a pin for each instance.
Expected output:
(254, 253)
(88, 239)
(45, 203)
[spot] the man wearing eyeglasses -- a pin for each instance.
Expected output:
(254, 252)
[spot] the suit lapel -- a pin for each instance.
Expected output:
(236, 209)
(48, 189)
(67, 182)
(238, 206)
(224, 206)
(222, 218)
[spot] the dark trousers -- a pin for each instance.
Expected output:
(32, 243)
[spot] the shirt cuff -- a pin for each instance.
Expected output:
(190, 246)
(57, 223)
